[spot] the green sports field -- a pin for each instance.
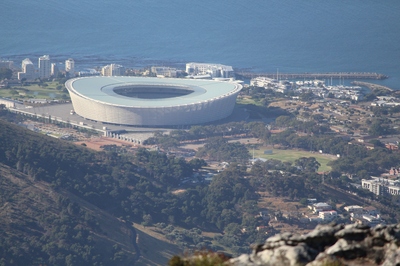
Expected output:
(292, 155)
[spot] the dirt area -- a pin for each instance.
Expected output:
(178, 191)
(196, 146)
(96, 143)
(287, 208)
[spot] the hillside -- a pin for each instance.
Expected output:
(59, 205)
(55, 227)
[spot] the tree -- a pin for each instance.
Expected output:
(197, 163)
(308, 164)
(380, 128)
(5, 73)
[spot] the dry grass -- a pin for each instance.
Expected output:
(285, 206)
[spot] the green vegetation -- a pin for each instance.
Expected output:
(292, 155)
(5, 73)
(220, 149)
(63, 222)
(43, 90)
(202, 258)
(246, 101)
(133, 188)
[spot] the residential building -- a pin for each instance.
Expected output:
(373, 186)
(381, 186)
(28, 70)
(354, 209)
(54, 70)
(327, 215)
(44, 66)
(392, 146)
(70, 67)
(371, 220)
(113, 70)
(164, 71)
(319, 207)
(393, 190)
(213, 70)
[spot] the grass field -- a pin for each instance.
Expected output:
(47, 91)
(292, 155)
(248, 100)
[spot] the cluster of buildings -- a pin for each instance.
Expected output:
(381, 186)
(317, 87)
(193, 71)
(113, 70)
(45, 69)
(162, 71)
(361, 215)
(369, 215)
(210, 71)
(281, 86)
(385, 101)
(322, 211)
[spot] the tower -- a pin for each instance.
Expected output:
(70, 67)
(44, 66)
(54, 69)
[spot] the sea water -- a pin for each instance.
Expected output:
(255, 35)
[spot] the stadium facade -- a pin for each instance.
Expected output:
(145, 101)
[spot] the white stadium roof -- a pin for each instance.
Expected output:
(145, 101)
(101, 89)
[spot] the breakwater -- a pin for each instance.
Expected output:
(371, 86)
(329, 75)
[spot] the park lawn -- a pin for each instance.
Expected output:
(35, 91)
(292, 155)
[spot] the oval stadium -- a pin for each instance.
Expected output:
(148, 101)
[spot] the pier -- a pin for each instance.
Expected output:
(371, 86)
(329, 75)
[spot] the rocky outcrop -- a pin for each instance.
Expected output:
(331, 244)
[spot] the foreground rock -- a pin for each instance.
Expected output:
(329, 245)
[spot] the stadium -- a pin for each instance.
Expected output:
(147, 101)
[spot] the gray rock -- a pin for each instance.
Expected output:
(329, 245)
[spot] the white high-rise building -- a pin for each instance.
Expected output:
(70, 67)
(44, 66)
(113, 70)
(28, 70)
(54, 69)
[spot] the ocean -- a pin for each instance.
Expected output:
(256, 35)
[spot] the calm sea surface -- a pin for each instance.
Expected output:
(258, 35)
